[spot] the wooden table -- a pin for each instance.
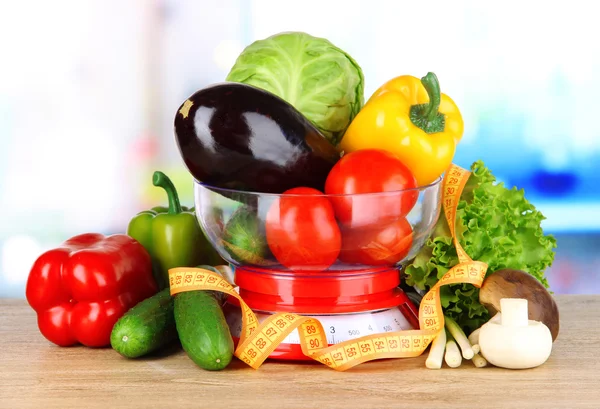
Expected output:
(36, 374)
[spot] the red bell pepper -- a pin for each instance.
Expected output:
(80, 289)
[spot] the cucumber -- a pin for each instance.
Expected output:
(146, 327)
(202, 329)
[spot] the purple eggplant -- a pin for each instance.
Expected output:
(237, 136)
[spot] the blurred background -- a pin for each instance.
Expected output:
(89, 90)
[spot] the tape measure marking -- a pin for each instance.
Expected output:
(258, 341)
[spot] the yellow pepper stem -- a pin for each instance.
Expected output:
(426, 116)
(432, 86)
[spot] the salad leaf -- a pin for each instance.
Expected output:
(494, 224)
(319, 79)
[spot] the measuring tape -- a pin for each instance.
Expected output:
(258, 341)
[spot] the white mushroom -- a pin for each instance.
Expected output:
(509, 283)
(514, 341)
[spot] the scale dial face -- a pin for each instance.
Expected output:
(339, 327)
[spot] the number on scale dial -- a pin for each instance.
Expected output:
(338, 328)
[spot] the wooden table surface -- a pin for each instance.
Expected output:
(36, 374)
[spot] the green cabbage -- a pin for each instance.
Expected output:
(495, 225)
(320, 80)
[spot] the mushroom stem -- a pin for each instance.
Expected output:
(514, 312)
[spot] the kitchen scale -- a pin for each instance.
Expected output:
(350, 300)
(349, 304)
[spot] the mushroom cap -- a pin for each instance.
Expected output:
(510, 283)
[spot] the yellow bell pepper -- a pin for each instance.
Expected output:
(412, 119)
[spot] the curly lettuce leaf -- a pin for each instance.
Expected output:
(494, 224)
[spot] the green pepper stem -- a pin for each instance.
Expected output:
(159, 179)
(432, 86)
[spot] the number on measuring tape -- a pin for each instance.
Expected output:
(261, 343)
(430, 322)
(379, 344)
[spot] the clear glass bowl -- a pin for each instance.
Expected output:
(308, 235)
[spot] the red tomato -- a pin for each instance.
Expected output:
(374, 246)
(371, 171)
(302, 231)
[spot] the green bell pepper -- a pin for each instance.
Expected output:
(171, 235)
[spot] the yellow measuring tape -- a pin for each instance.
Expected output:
(257, 341)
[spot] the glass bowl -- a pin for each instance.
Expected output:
(315, 235)
(319, 254)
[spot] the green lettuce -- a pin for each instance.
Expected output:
(494, 224)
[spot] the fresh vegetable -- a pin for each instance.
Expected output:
(453, 345)
(323, 82)
(146, 327)
(385, 244)
(510, 283)
(80, 289)
(412, 119)
(244, 237)
(371, 171)
(460, 338)
(479, 361)
(495, 225)
(515, 342)
(171, 235)
(302, 232)
(474, 337)
(452, 356)
(202, 329)
(436, 351)
(475, 348)
(240, 137)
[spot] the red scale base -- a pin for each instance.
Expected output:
(318, 294)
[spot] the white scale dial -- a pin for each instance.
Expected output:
(339, 328)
